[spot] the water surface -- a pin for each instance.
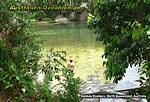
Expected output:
(79, 43)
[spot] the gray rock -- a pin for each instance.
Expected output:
(83, 16)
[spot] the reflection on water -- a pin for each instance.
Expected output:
(80, 45)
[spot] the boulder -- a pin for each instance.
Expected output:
(83, 16)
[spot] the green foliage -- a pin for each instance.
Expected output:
(53, 64)
(19, 54)
(43, 92)
(71, 86)
(49, 66)
(21, 59)
(122, 25)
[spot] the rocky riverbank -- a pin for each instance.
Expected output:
(93, 85)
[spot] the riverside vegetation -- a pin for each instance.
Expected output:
(20, 62)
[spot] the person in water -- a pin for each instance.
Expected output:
(71, 65)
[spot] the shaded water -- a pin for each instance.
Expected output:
(79, 43)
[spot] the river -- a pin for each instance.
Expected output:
(79, 43)
(81, 46)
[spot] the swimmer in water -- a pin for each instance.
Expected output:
(71, 65)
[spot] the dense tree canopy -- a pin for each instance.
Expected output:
(123, 26)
